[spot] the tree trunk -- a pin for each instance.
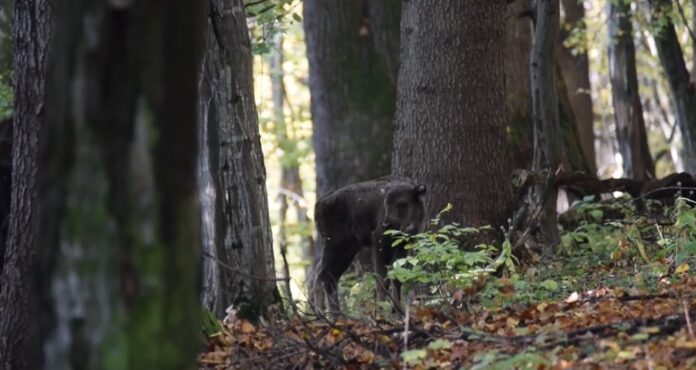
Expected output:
(672, 59)
(576, 73)
(628, 109)
(351, 48)
(518, 31)
(450, 134)
(547, 150)
(243, 248)
(31, 37)
(118, 238)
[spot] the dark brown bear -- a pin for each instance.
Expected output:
(356, 216)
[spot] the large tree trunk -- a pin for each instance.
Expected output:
(31, 36)
(628, 109)
(240, 262)
(547, 150)
(450, 133)
(353, 54)
(683, 93)
(352, 51)
(119, 242)
(518, 86)
(576, 73)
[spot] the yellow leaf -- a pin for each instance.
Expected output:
(641, 250)
(686, 344)
(681, 269)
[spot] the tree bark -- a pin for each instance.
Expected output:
(450, 134)
(547, 150)
(118, 238)
(352, 51)
(628, 109)
(243, 248)
(31, 37)
(576, 73)
(518, 93)
(672, 60)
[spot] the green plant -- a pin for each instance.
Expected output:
(437, 259)
(6, 99)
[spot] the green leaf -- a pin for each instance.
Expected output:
(440, 344)
(296, 17)
(550, 285)
(414, 356)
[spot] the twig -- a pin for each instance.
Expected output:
(686, 21)
(688, 320)
(406, 322)
(235, 270)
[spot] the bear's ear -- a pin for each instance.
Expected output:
(421, 189)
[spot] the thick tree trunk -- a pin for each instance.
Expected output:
(547, 150)
(449, 133)
(683, 93)
(576, 73)
(628, 109)
(243, 248)
(518, 93)
(31, 37)
(351, 47)
(119, 242)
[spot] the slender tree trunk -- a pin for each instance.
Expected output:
(576, 73)
(119, 243)
(31, 37)
(518, 31)
(683, 93)
(449, 134)
(547, 150)
(628, 109)
(288, 170)
(243, 251)
(351, 47)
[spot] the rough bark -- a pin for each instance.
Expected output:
(449, 133)
(243, 246)
(576, 73)
(674, 66)
(31, 37)
(547, 150)
(118, 241)
(628, 109)
(5, 184)
(351, 48)
(518, 93)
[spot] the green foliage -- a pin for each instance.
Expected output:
(495, 360)
(359, 294)
(6, 99)
(210, 325)
(438, 260)
(272, 16)
(679, 243)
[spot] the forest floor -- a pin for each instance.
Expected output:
(621, 294)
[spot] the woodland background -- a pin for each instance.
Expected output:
(120, 120)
